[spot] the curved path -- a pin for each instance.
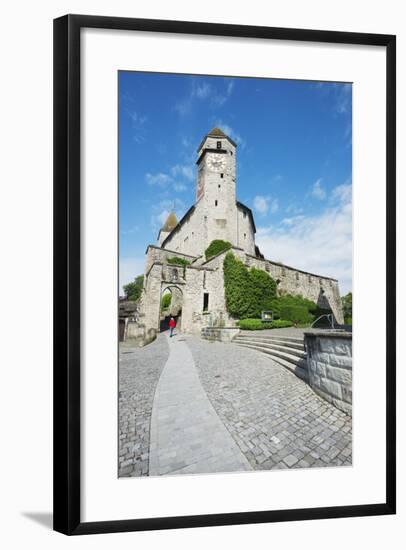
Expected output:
(187, 405)
(187, 436)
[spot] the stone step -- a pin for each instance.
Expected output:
(270, 339)
(290, 362)
(272, 345)
(282, 354)
(248, 333)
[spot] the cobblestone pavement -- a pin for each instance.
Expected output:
(139, 372)
(275, 418)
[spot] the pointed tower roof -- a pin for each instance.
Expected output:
(171, 222)
(216, 133)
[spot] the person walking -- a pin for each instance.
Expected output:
(172, 325)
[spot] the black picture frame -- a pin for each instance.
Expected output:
(67, 295)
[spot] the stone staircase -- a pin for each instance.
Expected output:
(288, 351)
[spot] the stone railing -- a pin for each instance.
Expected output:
(329, 365)
(219, 334)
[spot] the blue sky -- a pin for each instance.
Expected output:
(294, 162)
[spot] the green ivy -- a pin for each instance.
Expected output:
(175, 260)
(247, 291)
(215, 247)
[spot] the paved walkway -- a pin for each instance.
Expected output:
(187, 436)
(187, 405)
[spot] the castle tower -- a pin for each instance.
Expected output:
(171, 223)
(216, 186)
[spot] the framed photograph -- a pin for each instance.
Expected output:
(224, 244)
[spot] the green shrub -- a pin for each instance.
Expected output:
(293, 300)
(215, 247)
(281, 323)
(178, 261)
(296, 314)
(252, 324)
(257, 324)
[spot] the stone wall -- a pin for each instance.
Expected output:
(201, 277)
(329, 365)
(246, 235)
(226, 334)
(139, 334)
(324, 291)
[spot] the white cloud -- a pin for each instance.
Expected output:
(320, 244)
(179, 187)
(160, 179)
(202, 90)
(274, 206)
(342, 192)
(183, 170)
(263, 204)
(344, 99)
(179, 172)
(318, 191)
(138, 122)
(129, 268)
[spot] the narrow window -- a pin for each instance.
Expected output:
(221, 176)
(219, 186)
(245, 235)
(231, 153)
(215, 203)
(297, 276)
(205, 301)
(219, 145)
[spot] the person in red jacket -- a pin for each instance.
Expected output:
(172, 325)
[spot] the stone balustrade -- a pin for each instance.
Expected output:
(219, 334)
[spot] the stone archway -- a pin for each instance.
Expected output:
(174, 308)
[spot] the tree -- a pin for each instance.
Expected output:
(166, 301)
(133, 290)
(346, 302)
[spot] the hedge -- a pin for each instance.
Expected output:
(281, 323)
(257, 324)
(215, 247)
(292, 300)
(296, 314)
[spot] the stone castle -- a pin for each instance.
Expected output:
(197, 288)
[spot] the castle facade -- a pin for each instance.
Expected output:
(198, 288)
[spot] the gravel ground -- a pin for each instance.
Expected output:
(139, 372)
(275, 418)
